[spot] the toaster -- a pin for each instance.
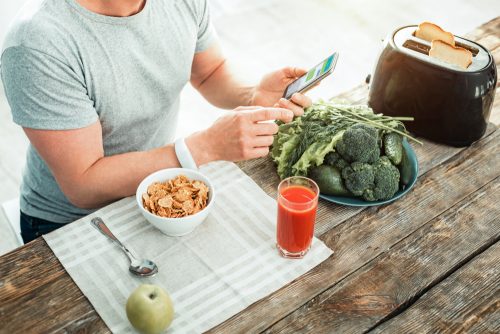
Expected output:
(449, 104)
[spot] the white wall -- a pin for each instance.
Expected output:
(262, 35)
(8, 10)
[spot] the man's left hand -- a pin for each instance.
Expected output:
(270, 90)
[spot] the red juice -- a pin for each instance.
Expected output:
(296, 215)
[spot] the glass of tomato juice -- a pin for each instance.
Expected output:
(297, 206)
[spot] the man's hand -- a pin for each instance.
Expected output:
(240, 135)
(272, 86)
(212, 76)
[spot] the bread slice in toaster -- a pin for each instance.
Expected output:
(429, 31)
(450, 54)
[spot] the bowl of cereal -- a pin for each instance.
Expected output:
(175, 200)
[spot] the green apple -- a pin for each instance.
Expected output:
(150, 309)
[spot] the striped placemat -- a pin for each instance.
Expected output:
(226, 264)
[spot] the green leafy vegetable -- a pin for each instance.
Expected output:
(307, 140)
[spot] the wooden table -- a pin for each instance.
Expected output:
(428, 262)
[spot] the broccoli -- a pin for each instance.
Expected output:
(335, 160)
(359, 143)
(358, 178)
(386, 181)
(364, 172)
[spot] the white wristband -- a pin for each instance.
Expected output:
(183, 155)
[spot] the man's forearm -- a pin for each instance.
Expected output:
(114, 177)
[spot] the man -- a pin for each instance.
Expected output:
(95, 85)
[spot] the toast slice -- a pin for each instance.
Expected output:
(450, 54)
(429, 31)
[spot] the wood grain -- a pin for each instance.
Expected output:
(408, 269)
(57, 306)
(38, 296)
(467, 301)
(36, 267)
(372, 232)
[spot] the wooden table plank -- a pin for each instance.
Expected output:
(357, 239)
(365, 236)
(33, 282)
(58, 306)
(20, 274)
(400, 275)
(467, 301)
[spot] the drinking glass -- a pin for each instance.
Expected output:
(297, 206)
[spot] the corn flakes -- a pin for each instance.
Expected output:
(179, 197)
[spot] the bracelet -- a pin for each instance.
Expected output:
(184, 155)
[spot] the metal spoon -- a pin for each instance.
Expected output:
(137, 267)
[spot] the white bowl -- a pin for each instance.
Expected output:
(175, 226)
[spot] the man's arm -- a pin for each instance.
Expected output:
(91, 180)
(86, 177)
(214, 78)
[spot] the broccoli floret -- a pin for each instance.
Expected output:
(359, 143)
(386, 181)
(358, 177)
(335, 160)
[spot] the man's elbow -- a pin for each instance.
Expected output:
(80, 197)
(82, 202)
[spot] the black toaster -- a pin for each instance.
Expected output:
(450, 105)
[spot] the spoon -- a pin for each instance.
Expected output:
(137, 267)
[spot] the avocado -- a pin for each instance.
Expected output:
(329, 180)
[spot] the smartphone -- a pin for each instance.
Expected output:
(315, 75)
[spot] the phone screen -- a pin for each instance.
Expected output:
(315, 74)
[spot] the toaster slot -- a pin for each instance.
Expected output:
(472, 49)
(417, 46)
(424, 48)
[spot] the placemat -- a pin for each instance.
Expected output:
(229, 262)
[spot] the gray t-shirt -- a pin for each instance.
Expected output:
(65, 67)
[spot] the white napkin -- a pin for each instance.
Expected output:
(229, 262)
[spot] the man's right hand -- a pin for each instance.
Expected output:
(243, 134)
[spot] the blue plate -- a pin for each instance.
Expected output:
(355, 201)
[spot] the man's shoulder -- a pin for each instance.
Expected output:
(193, 7)
(39, 26)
